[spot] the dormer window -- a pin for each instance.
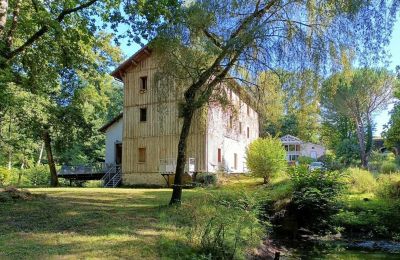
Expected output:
(143, 84)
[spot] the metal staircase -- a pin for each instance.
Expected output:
(112, 178)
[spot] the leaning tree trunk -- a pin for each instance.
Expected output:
(39, 161)
(50, 159)
(181, 159)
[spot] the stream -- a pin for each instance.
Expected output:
(340, 250)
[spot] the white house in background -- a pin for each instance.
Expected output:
(295, 148)
(113, 131)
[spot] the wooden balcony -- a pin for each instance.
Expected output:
(93, 171)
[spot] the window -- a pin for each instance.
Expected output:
(286, 148)
(230, 121)
(143, 114)
(235, 161)
(240, 127)
(248, 132)
(297, 147)
(219, 155)
(143, 84)
(142, 155)
(248, 110)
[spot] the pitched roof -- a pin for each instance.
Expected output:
(290, 139)
(145, 52)
(133, 60)
(104, 128)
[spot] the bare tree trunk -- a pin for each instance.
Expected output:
(361, 143)
(181, 159)
(39, 161)
(3, 15)
(52, 165)
(9, 159)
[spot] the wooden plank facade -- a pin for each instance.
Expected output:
(151, 124)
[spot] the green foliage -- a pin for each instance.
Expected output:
(368, 216)
(315, 197)
(93, 184)
(388, 167)
(5, 175)
(389, 186)
(266, 157)
(305, 160)
(355, 95)
(35, 176)
(207, 179)
(331, 162)
(221, 226)
(360, 180)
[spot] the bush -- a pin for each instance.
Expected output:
(331, 163)
(35, 176)
(388, 167)
(266, 157)
(206, 178)
(93, 184)
(314, 199)
(360, 180)
(389, 186)
(5, 176)
(305, 160)
(221, 225)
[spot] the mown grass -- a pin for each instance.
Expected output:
(104, 223)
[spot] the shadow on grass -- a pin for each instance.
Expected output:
(84, 223)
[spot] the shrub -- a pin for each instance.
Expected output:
(266, 157)
(93, 184)
(314, 199)
(305, 160)
(206, 178)
(37, 176)
(221, 225)
(5, 176)
(388, 167)
(360, 180)
(389, 186)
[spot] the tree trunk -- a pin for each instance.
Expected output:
(39, 161)
(3, 15)
(9, 160)
(181, 159)
(361, 142)
(52, 165)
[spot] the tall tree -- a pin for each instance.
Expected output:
(391, 131)
(357, 94)
(213, 39)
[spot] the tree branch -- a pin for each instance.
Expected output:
(45, 28)
(10, 36)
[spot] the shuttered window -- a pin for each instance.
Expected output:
(219, 155)
(142, 155)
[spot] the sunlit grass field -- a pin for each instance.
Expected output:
(84, 223)
(97, 223)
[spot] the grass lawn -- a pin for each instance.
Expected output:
(96, 223)
(84, 223)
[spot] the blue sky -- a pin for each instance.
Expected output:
(380, 118)
(383, 117)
